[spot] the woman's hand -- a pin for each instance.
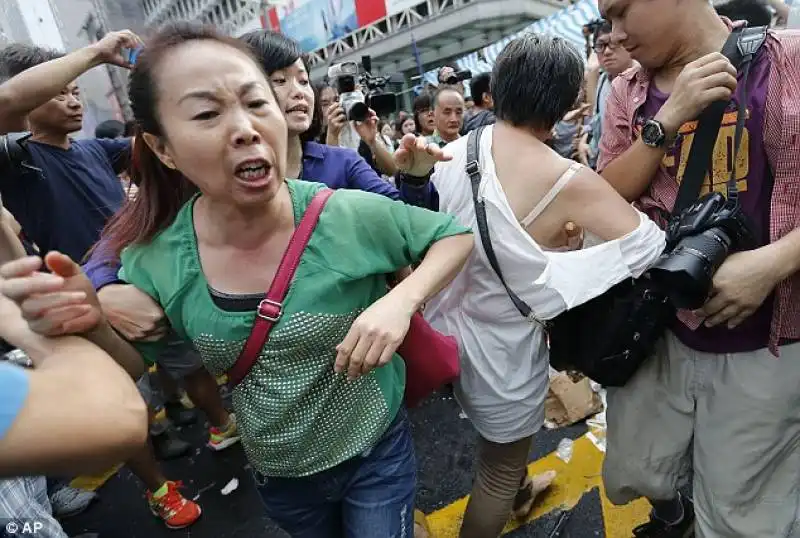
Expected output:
(337, 119)
(374, 337)
(133, 313)
(56, 304)
(417, 157)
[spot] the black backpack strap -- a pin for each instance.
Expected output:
(474, 172)
(14, 155)
(740, 48)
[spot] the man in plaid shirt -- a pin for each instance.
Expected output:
(721, 395)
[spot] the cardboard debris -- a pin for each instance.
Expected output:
(569, 402)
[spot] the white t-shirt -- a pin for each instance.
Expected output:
(504, 358)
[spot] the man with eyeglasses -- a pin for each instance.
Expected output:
(609, 60)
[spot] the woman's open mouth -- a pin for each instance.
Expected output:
(298, 109)
(253, 171)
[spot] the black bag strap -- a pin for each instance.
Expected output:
(740, 48)
(474, 173)
(13, 153)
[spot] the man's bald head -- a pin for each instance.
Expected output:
(448, 112)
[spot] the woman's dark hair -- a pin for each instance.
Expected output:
(162, 191)
(536, 80)
(755, 12)
(398, 124)
(423, 102)
(275, 51)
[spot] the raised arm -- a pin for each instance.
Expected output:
(34, 87)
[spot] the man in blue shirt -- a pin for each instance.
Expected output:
(62, 191)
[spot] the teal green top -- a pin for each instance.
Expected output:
(296, 416)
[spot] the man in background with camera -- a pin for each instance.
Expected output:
(720, 395)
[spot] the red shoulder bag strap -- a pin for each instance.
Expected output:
(270, 309)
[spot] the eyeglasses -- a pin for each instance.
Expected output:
(599, 48)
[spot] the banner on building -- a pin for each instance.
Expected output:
(314, 23)
(396, 6)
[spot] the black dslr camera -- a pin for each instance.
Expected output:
(698, 241)
(458, 76)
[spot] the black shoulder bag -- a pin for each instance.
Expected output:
(609, 337)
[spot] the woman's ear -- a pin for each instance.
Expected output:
(159, 147)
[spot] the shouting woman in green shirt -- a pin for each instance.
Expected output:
(320, 413)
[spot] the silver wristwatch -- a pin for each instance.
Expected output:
(18, 357)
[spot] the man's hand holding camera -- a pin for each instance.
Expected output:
(740, 286)
(703, 81)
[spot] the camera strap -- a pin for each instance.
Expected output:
(740, 48)
(473, 168)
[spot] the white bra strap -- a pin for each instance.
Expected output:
(551, 194)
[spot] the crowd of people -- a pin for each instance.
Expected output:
(160, 244)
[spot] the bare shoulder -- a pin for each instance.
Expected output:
(592, 203)
(585, 184)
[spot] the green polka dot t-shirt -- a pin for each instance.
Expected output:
(296, 416)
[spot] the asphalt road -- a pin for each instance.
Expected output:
(445, 446)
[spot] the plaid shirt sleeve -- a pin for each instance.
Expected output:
(616, 135)
(24, 500)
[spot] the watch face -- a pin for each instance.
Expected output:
(652, 134)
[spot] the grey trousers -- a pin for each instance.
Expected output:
(733, 419)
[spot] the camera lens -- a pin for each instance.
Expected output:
(685, 273)
(358, 112)
(346, 84)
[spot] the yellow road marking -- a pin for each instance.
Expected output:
(91, 483)
(575, 479)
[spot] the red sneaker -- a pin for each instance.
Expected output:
(173, 508)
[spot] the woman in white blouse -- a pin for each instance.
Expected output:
(532, 195)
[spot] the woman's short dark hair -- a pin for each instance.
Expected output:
(275, 51)
(536, 80)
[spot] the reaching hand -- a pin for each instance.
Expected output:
(368, 129)
(56, 304)
(111, 49)
(373, 338)
(417, 157)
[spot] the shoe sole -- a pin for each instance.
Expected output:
(224, 444)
